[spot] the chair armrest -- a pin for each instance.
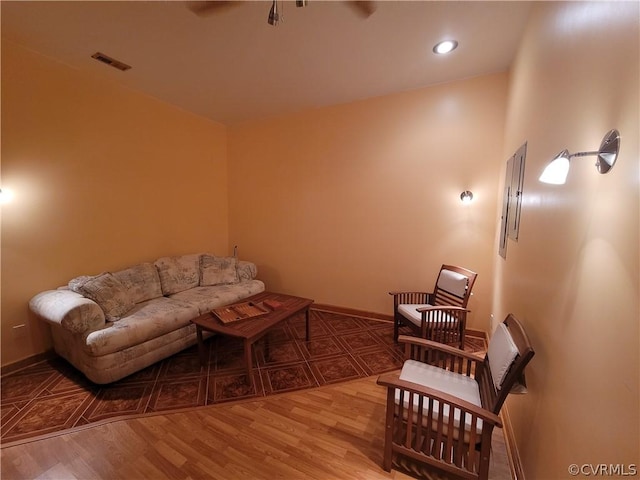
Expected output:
(392, 380)
(409, 292)
(68, 310)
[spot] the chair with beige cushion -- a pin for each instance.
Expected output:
(440, 315)
(443, 405)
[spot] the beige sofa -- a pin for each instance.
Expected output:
(111, 325)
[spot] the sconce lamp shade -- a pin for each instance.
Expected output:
(6, 196)
(556, 172)
(466, 197)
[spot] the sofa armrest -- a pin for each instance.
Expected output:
(246, 270)
(69, 310)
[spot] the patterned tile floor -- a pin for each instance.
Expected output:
(52, 397)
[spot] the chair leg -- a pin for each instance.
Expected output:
(483, 468)
(388, 432)
(396, 328)
(461, 334)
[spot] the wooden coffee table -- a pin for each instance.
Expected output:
(250, 330)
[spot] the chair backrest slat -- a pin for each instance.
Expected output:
(443, 298)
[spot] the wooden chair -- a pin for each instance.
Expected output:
(442, 407)
(440, 315)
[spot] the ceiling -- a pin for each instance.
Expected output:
(232, 66)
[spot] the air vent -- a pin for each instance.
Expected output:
(110, 61)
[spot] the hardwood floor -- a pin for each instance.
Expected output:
(331, 432)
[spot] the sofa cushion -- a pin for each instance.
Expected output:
(178, 273)
(144, 322)
(208, 298)
(142, 281)
(107, 291)
(218, 270)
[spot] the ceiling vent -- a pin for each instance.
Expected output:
(110, 61)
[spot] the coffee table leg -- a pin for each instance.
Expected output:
(306, 314)
(201, 352)
(247, 359)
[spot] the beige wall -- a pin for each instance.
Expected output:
(103, 178)
(573, 276)
(344, 204)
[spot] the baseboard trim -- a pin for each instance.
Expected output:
(27, 362)
(352, 312)
(515, 464)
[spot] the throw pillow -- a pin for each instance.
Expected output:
(246, 270)
(109, 294)
(75, 285)
(178, 274)
(142, 281)
(218, 270)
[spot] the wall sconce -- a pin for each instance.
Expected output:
(5, 196)
(556, 172)
(466, 197)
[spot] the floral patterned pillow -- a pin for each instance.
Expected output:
(75, 285)
(246, 270)
(142, 281)
(107, 291)
(218, 270)
(178, 274)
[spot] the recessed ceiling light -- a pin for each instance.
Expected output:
(445, 47)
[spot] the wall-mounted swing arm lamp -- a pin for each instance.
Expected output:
(556, 172)
(275, 14)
